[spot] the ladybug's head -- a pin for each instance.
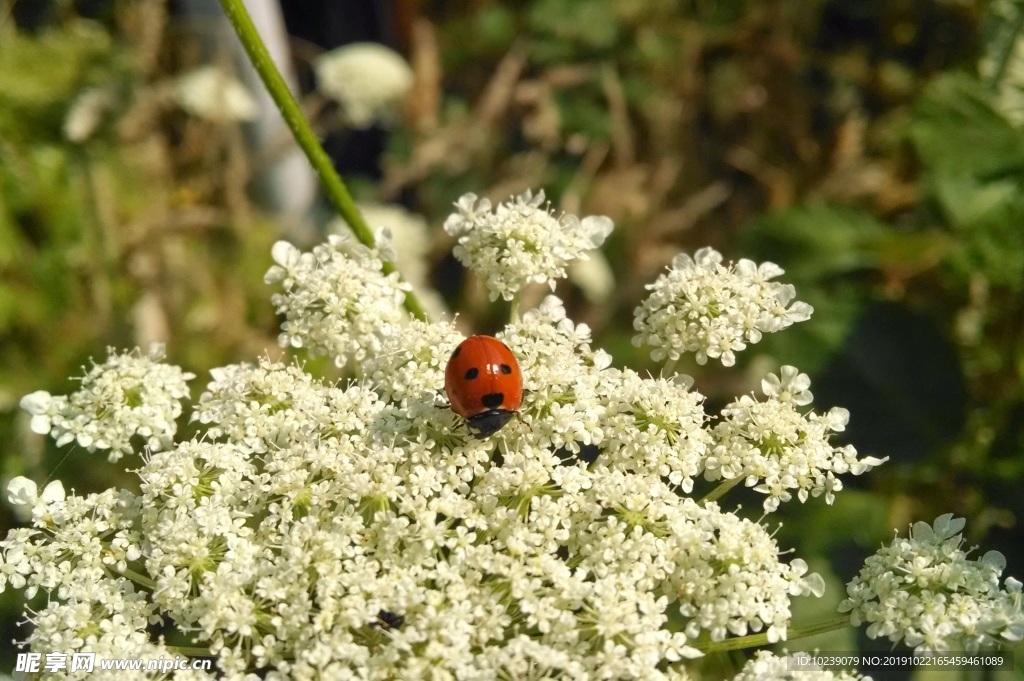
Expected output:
(486, 424)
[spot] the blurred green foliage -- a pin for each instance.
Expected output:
(118, 233)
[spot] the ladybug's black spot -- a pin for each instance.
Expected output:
(505, 369)
(493, 400)
(455, 353)
(472, 373)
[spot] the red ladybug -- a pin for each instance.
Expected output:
(483, 384)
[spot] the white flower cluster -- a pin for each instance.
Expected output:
(926, 592)
(777, 448)
(336, 301)
(87, 112)
(520, 241)
(76, 549)
(129, 394)
(767, 665)
(212, 93)
(312, 530)
(410, 236)
(368, 80)
(713, 310)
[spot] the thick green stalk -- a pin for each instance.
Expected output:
(304, 135)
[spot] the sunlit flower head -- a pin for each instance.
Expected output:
(776, 447)
(211, 93)
(714, 310)
(130, 394)
(368, 80)
(336, 300)
(925, 591)
(520, 241)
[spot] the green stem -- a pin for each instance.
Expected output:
(717, 492)
(757, 640)
(304, 135)
(513, 315)
(138, 578)
(190, 651)
(669, 367)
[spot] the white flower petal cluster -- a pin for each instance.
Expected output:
(311, 530)
(562, 378)
(210, 92)
(776, 447)
(767, 665)
(410, 365)
(927, 592)
(654, 426)
(129, 394)
(714, 310)
(336, 301)
(410, 235)
(77, 550)
(368, 80)
(87, 111)
(520, 241)
(319, 531)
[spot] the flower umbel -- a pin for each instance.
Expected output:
(520, 241)
(776, 448)
(336, 301)
(925, 591)
(129, 394)
(367, 80)
(714, 310)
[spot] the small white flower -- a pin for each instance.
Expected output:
(520, 241)
(24, 498)
(211, 93)
(368, 80)
(715, 311)
(42, 406)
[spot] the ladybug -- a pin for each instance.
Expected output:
(484, 384)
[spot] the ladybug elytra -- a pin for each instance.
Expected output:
(483, 384)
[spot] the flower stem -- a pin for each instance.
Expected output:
(304, 135)
(190, 651)
(717, 492)
(138, 578)
(757, 640)
(513, 314)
